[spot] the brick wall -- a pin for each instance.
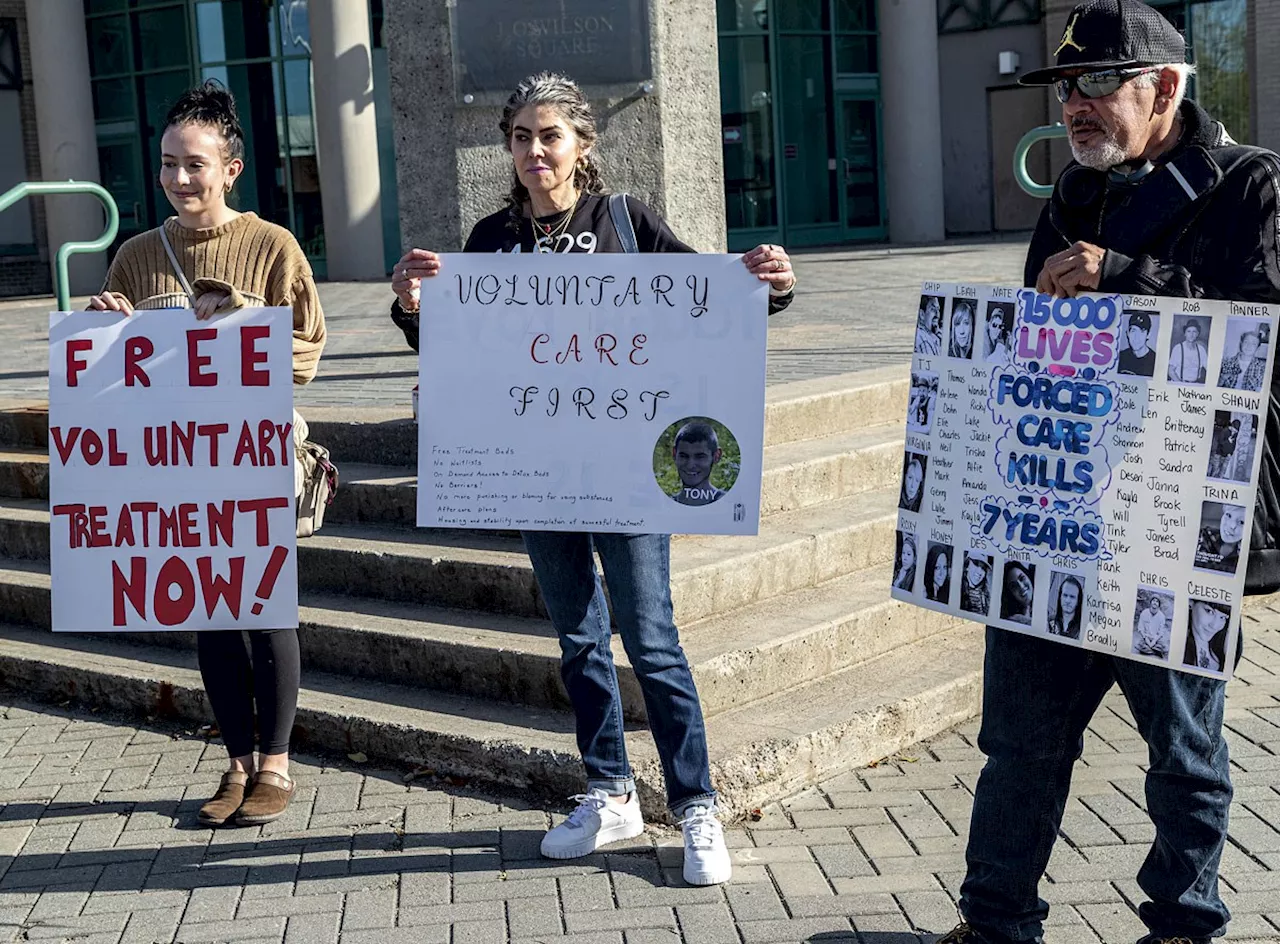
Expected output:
(24, 275)
(27, 275)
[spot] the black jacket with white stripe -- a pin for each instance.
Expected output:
(1202, 224)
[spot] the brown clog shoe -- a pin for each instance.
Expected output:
(226, 801)
(268, 797)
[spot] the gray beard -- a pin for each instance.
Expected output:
(1102, 156)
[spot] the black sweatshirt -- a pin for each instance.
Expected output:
(1224, 244)
(590, 230)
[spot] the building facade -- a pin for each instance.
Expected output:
(841, 121)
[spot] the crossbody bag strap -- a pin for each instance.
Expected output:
(177, 269)
(622, 222)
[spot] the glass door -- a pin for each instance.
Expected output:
(861, 189)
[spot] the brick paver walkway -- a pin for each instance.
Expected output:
(99, 845)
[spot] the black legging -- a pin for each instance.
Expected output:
(234, 684)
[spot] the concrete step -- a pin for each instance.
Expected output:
(794, 412)
(709, 574)
(24, 424)
(490, 572)
(760, 752)
(796, 475)
(24, 473)
(811, 409)
(805, 409)
(745, 656)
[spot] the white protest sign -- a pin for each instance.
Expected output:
(582, 392)
(171, 471)
(1085, 470)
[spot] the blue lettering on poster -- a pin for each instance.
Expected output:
(1055, 401)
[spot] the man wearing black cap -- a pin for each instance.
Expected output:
(1159, 201)
(1138, 358)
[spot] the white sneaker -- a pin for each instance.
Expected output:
(597, 821)
(706, 859)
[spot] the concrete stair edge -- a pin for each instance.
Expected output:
(796, 475)
(739, 658)
(710, 575)
(752, 762)
(795, 411)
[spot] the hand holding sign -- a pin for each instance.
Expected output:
(608, 392)
(171, 479)
(1095, 486)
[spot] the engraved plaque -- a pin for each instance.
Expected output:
(596, 42)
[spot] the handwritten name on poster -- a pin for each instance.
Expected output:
(171, 471)
(580, 392)
(1085, 470)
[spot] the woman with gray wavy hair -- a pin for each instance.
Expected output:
(558, 203)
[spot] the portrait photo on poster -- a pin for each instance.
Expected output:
(975, 584)
(1244, 354)
(929, 325)
(1234, 442)
(696, 460)
(997, 335)
(914, 467)
(1017, 592)
(937, 573)
(1152, 623)
(1189, 350)
(964, 319)
(1066, 603)
(921, 401)
(1207, 625)
(1221, 531)
(904, 562)
(1138, 333)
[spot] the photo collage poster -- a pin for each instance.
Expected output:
(1084, 470)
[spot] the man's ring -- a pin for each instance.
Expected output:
(778, 265)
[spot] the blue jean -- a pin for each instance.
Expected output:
(1038, 699)
(638, 570)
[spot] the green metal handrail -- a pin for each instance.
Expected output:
(67, 250)
(1020, 174)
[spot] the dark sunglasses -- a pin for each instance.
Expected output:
(1097, 84)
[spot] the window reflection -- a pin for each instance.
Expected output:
(144, 54)
(747, 132)
(1218, 36)
(296, 26)
(748, 16)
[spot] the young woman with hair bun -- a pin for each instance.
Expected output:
(228, 260)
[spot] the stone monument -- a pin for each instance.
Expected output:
(650, 68)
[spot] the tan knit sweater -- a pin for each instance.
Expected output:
(251, 260)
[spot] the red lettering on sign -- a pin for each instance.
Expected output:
(168, 610)
(533, 348)
(134, 589)
(605, 345)
(250, 375)
(260, 507)
(215, 587)
(137, 349)
(196, 377)
(76, 364)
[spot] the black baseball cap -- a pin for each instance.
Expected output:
(1112, 34)
(1140, 320)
